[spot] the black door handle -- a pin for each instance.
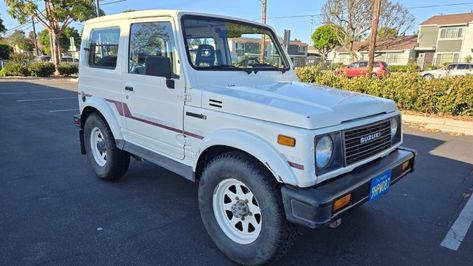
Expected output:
(128, 88)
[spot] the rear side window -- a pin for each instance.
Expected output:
(103, 49)
(363, 64)
(462, 66)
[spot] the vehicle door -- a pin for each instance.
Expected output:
(449, 70)
(154, 104)
(352, 69)
(363, 69)
(460, 70)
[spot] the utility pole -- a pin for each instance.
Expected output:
(34, 37)
(263, 41)
(374, 32)
(97, 8)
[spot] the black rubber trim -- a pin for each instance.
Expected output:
(201, 116)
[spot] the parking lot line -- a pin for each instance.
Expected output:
(458, 231)
(46, 99)
(64, 110)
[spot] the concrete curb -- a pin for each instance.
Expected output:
(38, 78)
(442, 124)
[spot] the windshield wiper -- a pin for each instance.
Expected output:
(226, 67)
(260, 66)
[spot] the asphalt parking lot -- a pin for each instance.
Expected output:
(53, 210)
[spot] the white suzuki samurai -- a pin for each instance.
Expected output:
(215, 100)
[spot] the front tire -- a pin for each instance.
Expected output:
(428, 77)
(241, 208)
(106, 159)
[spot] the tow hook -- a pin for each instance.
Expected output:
(335, 223)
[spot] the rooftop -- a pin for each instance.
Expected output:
(392, 44)
(463, 18)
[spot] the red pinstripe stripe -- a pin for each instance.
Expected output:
(296, 165)
(123, 110)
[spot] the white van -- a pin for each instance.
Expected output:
(215, 99)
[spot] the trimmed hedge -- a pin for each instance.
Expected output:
(67, 69)
(41, 69)
(452, 95)
(410, 68)
(15, 69)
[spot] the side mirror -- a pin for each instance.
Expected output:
(159, 66)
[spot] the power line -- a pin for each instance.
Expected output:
(112, 2)
(412, 7)
(440, 5)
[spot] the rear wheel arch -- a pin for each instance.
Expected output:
(106, 112)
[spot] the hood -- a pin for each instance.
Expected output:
(294, 103)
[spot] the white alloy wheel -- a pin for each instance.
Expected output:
(237, 211)
(98, 146)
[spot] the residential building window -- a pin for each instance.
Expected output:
(451, 33)
(444, 58)
(301, 49)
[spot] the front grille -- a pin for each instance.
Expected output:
(366, 141)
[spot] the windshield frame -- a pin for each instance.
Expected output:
(271, 34)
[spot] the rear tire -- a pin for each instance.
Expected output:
(107, 160)
(241, 208)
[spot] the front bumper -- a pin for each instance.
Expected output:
(313, 207)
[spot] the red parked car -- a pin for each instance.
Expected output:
(360, 69)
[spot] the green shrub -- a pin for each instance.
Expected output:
(15, 69)
(451, 95)
(334, 66)
(20, 58)
(405, 68)
(67, 69)
(41, 69)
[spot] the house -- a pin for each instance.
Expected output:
(244, 47)
(313, 56)
(445, 39)
(297, 51)
(394, 51)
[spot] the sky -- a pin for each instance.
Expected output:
(305, 13)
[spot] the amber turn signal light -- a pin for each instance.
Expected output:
(341, 202)
(286, 141)
(406, 165)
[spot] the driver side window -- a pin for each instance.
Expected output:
(150, 39)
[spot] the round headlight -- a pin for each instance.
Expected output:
(394, 127)
(323, 151)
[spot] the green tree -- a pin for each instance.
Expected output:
(325, 39)
(64, 40)
(5, 51)
(2, 27)
(53, 15)
(387, 33)
(19, 39)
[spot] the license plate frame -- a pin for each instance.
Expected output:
(380, 185)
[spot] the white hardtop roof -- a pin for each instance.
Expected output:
(158, 13)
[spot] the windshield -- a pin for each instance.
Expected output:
(220, 44)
